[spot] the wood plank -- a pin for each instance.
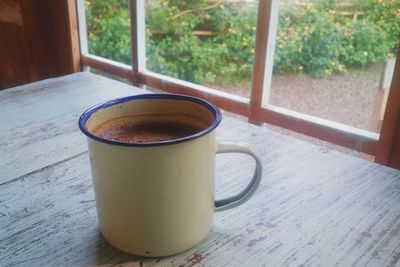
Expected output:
(14, 67)
(82, 27)
(10, 12)
(136, 42)
(73, 36)
(44, 44)
(63, 31)
(38, 32)
(45, 114)
(378, 110)
(314, 207)
(260, 55)
(336, 133)
(394, 161)
(387, 147)
(119, 69)
(48, 218)
(224, 100)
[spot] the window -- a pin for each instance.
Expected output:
(333, 60)
(210, 43)
(167, 34)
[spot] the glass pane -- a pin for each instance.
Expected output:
(206, 42)
(332, 58)
(108, 29)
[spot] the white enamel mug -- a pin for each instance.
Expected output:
(157, 199)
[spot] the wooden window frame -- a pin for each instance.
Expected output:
(254, 108)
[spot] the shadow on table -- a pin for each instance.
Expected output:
(105, 254)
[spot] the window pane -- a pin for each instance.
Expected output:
(206, 42)
(108, 29)
(332, 57)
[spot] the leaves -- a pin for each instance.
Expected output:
(313, 39)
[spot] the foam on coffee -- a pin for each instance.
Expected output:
(149, 129)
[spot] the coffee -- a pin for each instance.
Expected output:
(146, 131)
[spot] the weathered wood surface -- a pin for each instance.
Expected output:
(39, 121)
(315, 207)
(38, 40)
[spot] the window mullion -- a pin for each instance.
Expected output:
(138, 39)
(260, 55)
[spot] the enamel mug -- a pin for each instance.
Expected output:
(157, 199)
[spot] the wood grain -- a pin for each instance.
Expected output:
(10, 12)
(38, 40)
(388, 151)
(14, 67)
(72, 39)
(314, 207)
(45, 115)
(261, 44)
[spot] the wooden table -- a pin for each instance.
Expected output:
(315, 207)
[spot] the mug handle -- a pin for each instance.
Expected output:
(246, 193)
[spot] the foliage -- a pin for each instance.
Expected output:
(210, 41)
(308, 40)
(384, 15)
(174, 49)
(108, 27)
(317, 40)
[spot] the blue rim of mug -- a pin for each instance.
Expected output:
(88, 113)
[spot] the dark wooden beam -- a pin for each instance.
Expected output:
(388, 151)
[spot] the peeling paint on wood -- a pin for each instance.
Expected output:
(315, 207)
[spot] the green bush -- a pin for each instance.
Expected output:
(363, 44)
(313, 39)
(308, 41)
(173, 48)
(316, 40)
(384, 16)
(108, 27)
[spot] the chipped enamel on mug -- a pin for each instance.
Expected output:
(157, 199)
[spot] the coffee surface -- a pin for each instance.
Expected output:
(146, 131)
